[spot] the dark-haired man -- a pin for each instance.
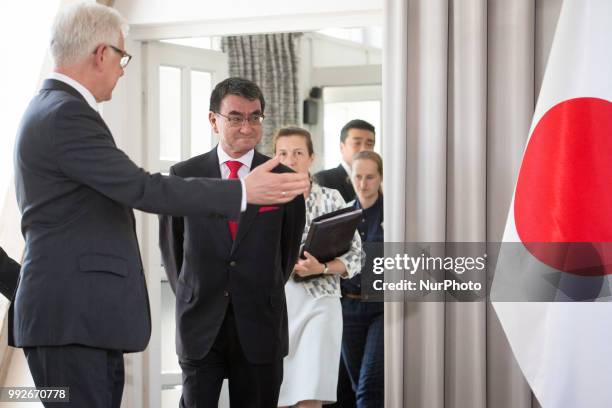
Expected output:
(355, 136)
(229, 278)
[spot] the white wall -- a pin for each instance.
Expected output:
(326, 61)
(163, 11)
(331, 52)
(156, 19)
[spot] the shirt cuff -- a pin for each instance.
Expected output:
(243, 203)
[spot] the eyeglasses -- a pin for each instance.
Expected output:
(125, 57)
(237, 120)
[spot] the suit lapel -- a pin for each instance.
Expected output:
(107, 128)
(249, 215)
(210, 164)
(210, 168)
(347, 186)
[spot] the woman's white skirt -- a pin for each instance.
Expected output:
(310, 370)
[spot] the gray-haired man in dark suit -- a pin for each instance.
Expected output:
(82, 301)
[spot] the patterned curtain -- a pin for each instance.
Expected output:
(271, 61)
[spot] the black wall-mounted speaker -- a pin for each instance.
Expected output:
(311, 108)
(316, 92)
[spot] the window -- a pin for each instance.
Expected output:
(342, 104)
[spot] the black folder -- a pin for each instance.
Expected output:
(330, 236)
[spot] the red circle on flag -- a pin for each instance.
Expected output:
(563, 199)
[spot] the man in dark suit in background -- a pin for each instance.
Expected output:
(355, 136)
(82, 301)
(9, 273)
(231, 315)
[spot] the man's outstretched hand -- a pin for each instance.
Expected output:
(264, 187)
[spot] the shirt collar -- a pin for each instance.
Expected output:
(315, 189)
(246, 159)
(89, 98)
(346, 167)
(375, 207)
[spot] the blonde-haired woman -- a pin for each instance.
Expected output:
(363, 336)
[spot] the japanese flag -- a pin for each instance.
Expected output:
(551, 289)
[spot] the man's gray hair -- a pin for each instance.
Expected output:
(79, 28)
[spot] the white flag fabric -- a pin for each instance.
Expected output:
(564, 195)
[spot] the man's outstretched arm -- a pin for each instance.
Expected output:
(264, 187)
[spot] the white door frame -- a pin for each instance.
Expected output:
(142, 388)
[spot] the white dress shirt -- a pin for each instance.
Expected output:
(89, 98)
(246, 160)
(347, 168)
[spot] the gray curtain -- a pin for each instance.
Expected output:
(271, 61)
(460, 82)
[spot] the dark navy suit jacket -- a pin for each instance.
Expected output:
(207, 270)
(338, 179)
(82, 279)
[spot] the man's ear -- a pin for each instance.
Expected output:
(99, 56)
(212, 118)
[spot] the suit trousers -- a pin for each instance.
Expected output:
(363, 350)
(250, 385)
(94, 376)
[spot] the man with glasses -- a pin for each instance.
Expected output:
(82, 301)
(125, 57)
(231, 316)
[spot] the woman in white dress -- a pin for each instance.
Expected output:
(310, 370)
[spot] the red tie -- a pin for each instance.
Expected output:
(233, 166)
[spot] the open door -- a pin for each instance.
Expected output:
(178, 81)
